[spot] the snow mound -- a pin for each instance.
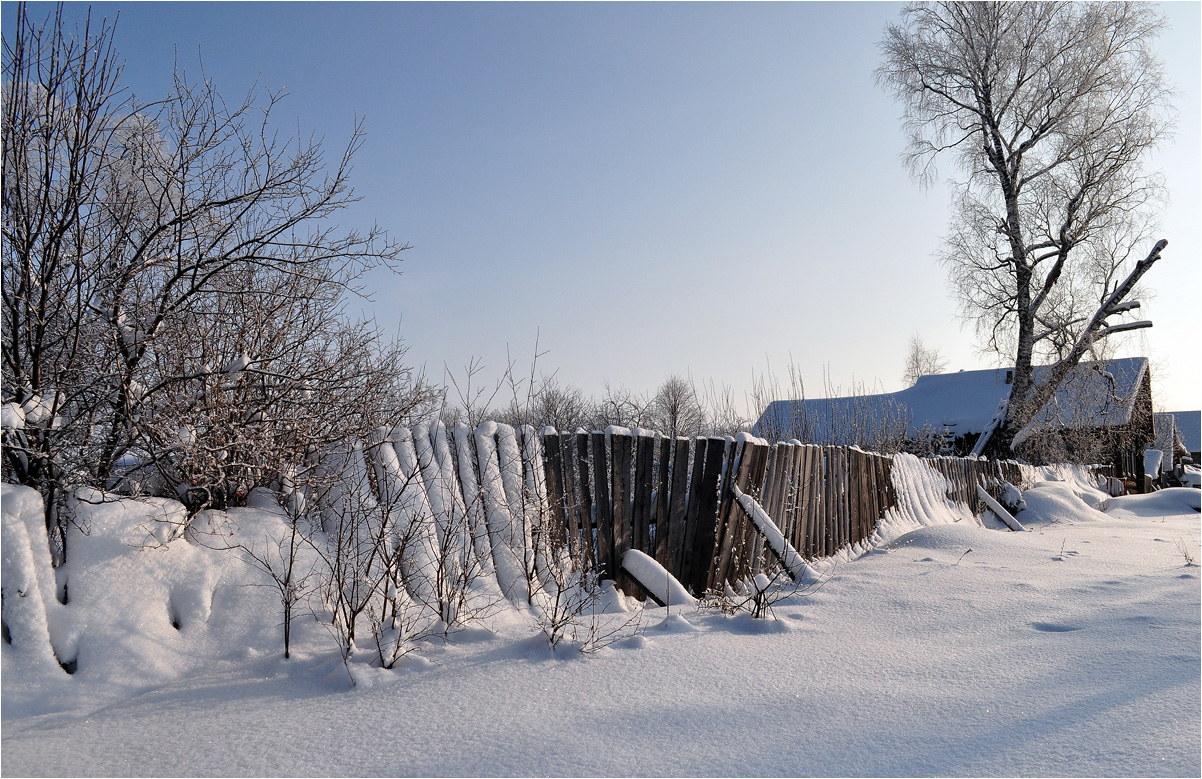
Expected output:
(1051, 502)
(673, 623)
(1175, 500)
(145, 604)
(953, 540)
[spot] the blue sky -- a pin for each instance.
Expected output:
(703, 189)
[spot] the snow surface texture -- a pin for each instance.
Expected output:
(948, 648)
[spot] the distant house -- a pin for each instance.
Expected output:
(1106, 406)
(1189, 430)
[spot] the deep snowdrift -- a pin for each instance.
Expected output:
(949, 648)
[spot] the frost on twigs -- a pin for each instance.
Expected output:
(761, 592)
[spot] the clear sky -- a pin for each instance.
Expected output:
(703, 189)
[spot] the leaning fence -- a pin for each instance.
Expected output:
(596, 495)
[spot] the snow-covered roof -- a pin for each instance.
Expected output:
(1189, 426)
(1096, 394)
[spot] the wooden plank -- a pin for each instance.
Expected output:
(753, 542)
(804, 490)
(662, 511)
(813, 457)
(796, 495)
(571, 497)
(757, 483)
(840, 497)
(677, 509)
(869, 495)
(830, 488)
(606, 567)
(882, 487)
(781, 483)
(882, 477)
(785, 501)
(874, 492)
(717, 465)
(855, 496)
(584, 500)
(621, 447)
(748, 553)
(563, 528)
(848, 490)
(644, 491)
(688, 559)
(809, 519)
(826, 481)
(730, 530)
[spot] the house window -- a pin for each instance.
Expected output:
(1010, 377)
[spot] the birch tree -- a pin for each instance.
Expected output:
(1048, 111)
(921, 360)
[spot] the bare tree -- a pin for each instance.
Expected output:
(173, 293)
(1049, 109)
(921, 361)
(723, 417)
(676, 410)
(61, 103)
(621, 407)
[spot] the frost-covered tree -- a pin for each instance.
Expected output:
(174, 293)
(1049, 111)
(921, 360)
(61, 100)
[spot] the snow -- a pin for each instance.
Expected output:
(238, 364)
(666, 589)
(946, 648)
(1152, 460)
(998, 510)
(1189, 425)
(495, 445)
(12, 416)
(37, 409)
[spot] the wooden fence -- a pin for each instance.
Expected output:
(601, 494)
(673, 499)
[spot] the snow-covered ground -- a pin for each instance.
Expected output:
(953, 647)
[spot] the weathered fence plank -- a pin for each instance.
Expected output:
(584, 498)
(606, 564)
(561, 524)
(662, 519)
(643, 492)
(707, 514)
(689, 558)
(677, 509)
(621, 461)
